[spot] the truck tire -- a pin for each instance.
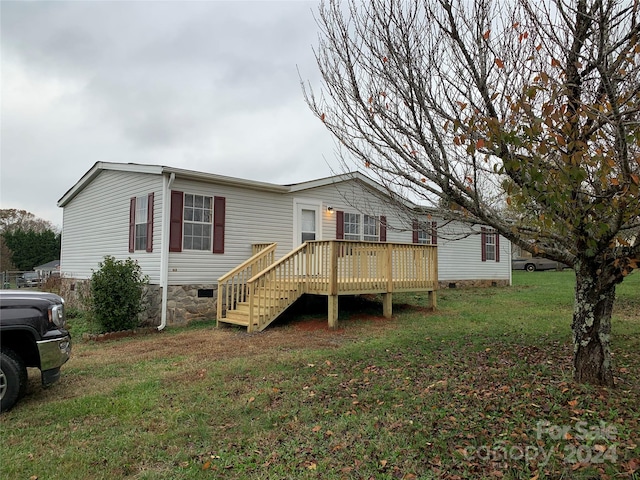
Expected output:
(13, 379)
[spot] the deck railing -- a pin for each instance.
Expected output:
(232, 286)
(334, 267)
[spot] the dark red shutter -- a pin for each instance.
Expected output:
(415, 231)
(383, 228)
(497, 246)
(339, 225)
(175, 224)
(219, 207)
(132, 224)
(434, 233)
(483, 243)
(150, 222)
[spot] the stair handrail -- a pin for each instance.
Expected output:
(235, 281)
(275, 264)
(266, 309)
(251, 260)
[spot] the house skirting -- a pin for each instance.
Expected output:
(485, 283)
(190, 302)
(199, 301)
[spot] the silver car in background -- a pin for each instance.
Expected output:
(536, 263)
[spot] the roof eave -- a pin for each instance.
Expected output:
(224, 180)
(98, 167)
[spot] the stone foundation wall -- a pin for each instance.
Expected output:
(75, 293)
(184, 303)
(443, 284)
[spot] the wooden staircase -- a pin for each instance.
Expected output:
(256, 292)
(274, 302)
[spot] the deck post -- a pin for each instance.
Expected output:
(333, 285)
(432, 299)
(333, 311)
(387, 301)
(219, 305)
(251, 307)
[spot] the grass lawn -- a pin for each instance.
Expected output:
(479, 389)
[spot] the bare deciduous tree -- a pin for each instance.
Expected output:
(523, 114)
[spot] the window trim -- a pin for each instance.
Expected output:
(133, 223)
(430, 233)
(485, 235)
(141, 205)
(341, 227)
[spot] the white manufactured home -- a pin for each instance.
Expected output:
(188, 230)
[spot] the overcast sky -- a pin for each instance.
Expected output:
(211, 86)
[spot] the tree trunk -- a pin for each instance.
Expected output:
(592, 329)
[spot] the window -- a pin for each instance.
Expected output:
(308, 226)
(357, 226)
(425, 233)
(352, 226)
(490, 245)
(371, 228)
(423, 237)
(198, 222)
(141, 223)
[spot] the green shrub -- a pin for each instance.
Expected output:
(117, 294)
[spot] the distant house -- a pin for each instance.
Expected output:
(187, 229)
(47, 269)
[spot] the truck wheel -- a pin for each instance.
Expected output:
(13, 379)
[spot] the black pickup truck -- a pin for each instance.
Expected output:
(32, 334)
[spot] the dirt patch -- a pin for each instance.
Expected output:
(314, 325)
(292, 332)
(188, 350)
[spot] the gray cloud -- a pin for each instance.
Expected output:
(210, 86)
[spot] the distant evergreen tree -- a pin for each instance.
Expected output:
(30, 249)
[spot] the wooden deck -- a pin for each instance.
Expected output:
(256, 292)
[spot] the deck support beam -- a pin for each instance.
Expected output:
(432, 299)
(333, 311)
(387, 301)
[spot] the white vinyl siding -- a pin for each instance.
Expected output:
(461, 259)
(458, 259)
(352, 198)
(96, 223)
(251, 216)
